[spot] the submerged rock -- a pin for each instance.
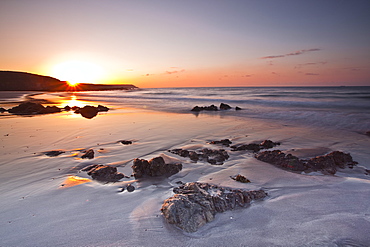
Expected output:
(154, 168)
(212, 156)
(196, 204)
(328, 163)
(124, 142)
(266, 144)
(53, 153)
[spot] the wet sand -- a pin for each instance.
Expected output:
(48, 201)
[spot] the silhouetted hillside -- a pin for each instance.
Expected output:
(22, 81)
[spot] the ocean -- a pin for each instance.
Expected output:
(345, 108)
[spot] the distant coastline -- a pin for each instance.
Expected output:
(23, 81)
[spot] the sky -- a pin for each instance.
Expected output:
(187, 43)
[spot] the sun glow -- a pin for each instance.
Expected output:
(75, 72)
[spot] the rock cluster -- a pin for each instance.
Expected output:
(154, 168)
(266, 144)
(196, 204)
(103, 173)
(223, 106)
(31, 108)
(328, 163)
(212, 156)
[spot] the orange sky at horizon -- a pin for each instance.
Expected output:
(189, 43)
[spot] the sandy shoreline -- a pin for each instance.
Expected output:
(301, 210)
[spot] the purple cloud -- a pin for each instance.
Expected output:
(291, 53)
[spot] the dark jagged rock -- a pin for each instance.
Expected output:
(103, 173)
(205, 108)
(67, 108)
(240, 178)
(266, 144)
(281, 159)
(53, 153)
(125, 142)
(2, 110)
(328, 163)
(367, 133)
(154, 168)
(89, 154)
(225, 142)
(214, 157)
(196, 204)
(224, 106)
(237, 108)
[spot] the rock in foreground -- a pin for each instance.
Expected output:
(196, 204)
(103, 173)
(328, 163)
(154, 168)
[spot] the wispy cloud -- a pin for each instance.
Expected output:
(174, 71)
(300, 52)
(311, 74)
(309, 64)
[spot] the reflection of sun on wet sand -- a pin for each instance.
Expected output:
(73, 181)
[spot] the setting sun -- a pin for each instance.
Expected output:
(75, 72)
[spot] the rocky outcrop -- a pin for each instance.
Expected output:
(196, 204)
(154, 168)
(103, 173)
(327, 164)
(266, 144)
(30, 108)
(222, 106)
(212, 156)
(204, 108)
(89, 111)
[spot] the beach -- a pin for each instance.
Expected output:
(48, 201)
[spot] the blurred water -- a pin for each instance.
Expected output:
(334, 107)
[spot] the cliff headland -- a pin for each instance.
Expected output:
(23, 81)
